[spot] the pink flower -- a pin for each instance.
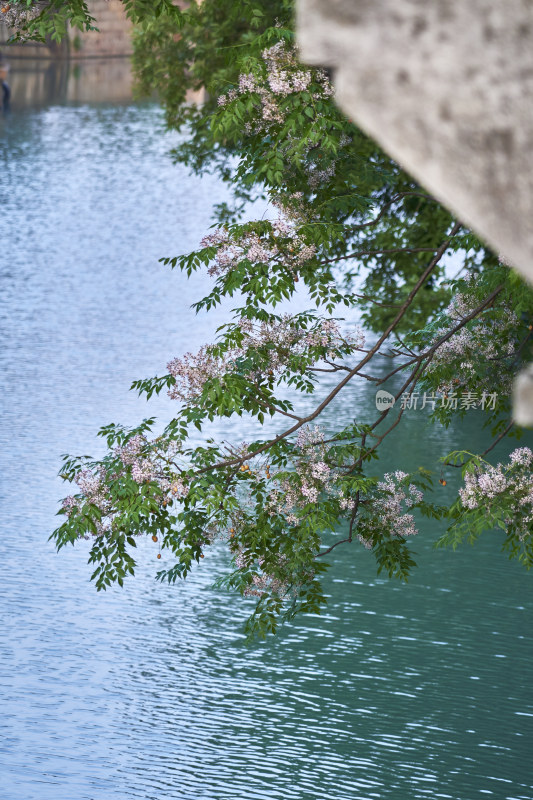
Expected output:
(385, 511)
(522, 456)
(69, 504)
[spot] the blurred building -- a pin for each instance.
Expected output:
(86, 67)
(113, 37)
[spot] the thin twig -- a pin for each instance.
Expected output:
(391, 251)
(350, 535)
(492, 446)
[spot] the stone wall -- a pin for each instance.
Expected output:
(46, 81)
(112, 39)
(30, 49)
(446, 87)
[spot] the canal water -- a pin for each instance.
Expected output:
(396, 692)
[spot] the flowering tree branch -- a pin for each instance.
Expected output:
(338, 213)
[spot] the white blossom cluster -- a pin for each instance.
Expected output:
(313, 477)
(510, 482)
(16, 15)
(263, 582)
(282, 243)
(92, 487)
(283, 75)
(191, 372)
(385, 511)
(93, 492)
(276, 580)
(284, 338)
(142, 468)
(488, 338)
(146, 462)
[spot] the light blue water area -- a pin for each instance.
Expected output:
(396, 692)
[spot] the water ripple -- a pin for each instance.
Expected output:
(395, 692)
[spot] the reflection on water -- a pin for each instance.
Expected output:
(396, 692)
(43, 82)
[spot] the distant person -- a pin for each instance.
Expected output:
(6, 95)
(6, 89)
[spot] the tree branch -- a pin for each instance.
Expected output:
(334, 392)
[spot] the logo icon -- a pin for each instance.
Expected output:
(384, 400)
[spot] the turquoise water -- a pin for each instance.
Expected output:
(396, 692)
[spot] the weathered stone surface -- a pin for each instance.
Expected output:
(523, 398)
(113, 37)
(446, 87)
